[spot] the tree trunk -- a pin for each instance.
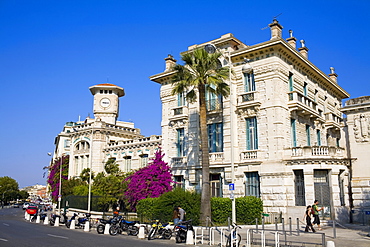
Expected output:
(205, 206)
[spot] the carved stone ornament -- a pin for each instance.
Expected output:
(361, 127)
(247, 112)
(178, 123)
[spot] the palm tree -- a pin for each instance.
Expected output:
(202, 72)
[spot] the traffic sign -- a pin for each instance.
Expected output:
(231, 186)
(367, 212)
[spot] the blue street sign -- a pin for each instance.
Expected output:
(367, 212)
(231, 186)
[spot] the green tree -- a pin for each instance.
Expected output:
(8, 189)
(201, 71)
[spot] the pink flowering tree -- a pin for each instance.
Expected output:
(54, 175)
(149, 182)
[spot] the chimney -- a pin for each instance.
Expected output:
(275, 28)
(333, 76)
(291, 40)
(170, 62)
(303, 50)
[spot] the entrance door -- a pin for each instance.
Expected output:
(322, 191)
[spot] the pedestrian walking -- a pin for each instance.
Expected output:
(316, 217)
(307, 217)
(176, 215)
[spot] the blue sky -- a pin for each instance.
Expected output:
(51, 52)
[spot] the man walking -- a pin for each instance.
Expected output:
(182, 214)
(316, 210)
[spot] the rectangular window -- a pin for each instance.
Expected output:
(215, 137)
(252, 137)
(252, 184)
(213, 101)
(180, 99)
(308, 137)
(305, 89)
(249, 85)
(127, 165)
(300, 199)
(180, 142)
(318, 134)
(67, 143)
(179, 182)
(144, 160)
(215, 185)
(294, 133)
(338, 142)
(291, 87)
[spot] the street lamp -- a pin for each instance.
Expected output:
(210, 48)
(91, 154)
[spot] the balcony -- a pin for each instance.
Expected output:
(302, 104)
(216, 157)
(332, 120)
(178, 161)
(179, 112)
(248, 155)
(247, 99)
(317, 152)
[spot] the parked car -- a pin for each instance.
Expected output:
(16, 205)
(32, 209)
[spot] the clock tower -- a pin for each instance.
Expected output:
(106, 101)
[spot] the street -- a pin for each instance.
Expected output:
(15, 231)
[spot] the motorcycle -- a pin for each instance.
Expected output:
(80, 221)
(42, 216)
(124, 226)
(182, 229)
(62, 219)
(160, 230)
(112, 221)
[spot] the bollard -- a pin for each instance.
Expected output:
(38, 219)
(106, 229)
(330, 244)
(290, 226)
(87, 226)
(46, 221)
(56, 221)
(276, 226)
(263, 223)
(334, 230)
(256, 224)
(298, 226)
(73, 225)
(25, 215)
(141, 234)
(190, 237)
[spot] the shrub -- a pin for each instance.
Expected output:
(248, 209)
(162, 208)
(221, 209)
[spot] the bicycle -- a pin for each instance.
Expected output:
(234, 237)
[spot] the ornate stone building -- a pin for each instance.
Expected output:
(278, 135)
(91, 142)
(357, 131)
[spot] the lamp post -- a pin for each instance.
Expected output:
(60, 183)
(210, 48)
(91, 154)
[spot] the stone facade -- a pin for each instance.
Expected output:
(357, 130)
(286, 107)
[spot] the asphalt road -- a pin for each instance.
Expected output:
(15, 231)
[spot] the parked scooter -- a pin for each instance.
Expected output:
(62, 219)
(124, 226)
(80, 221)
(112, 221)
(34, 216)
(182, 229)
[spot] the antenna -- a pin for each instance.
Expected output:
(107, 78)
(274, 19)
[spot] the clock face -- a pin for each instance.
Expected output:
(105, 103)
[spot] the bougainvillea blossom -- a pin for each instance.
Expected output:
(150, 181)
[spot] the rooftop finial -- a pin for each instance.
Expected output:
(332, 71)
(291, 33)
(302, 43)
